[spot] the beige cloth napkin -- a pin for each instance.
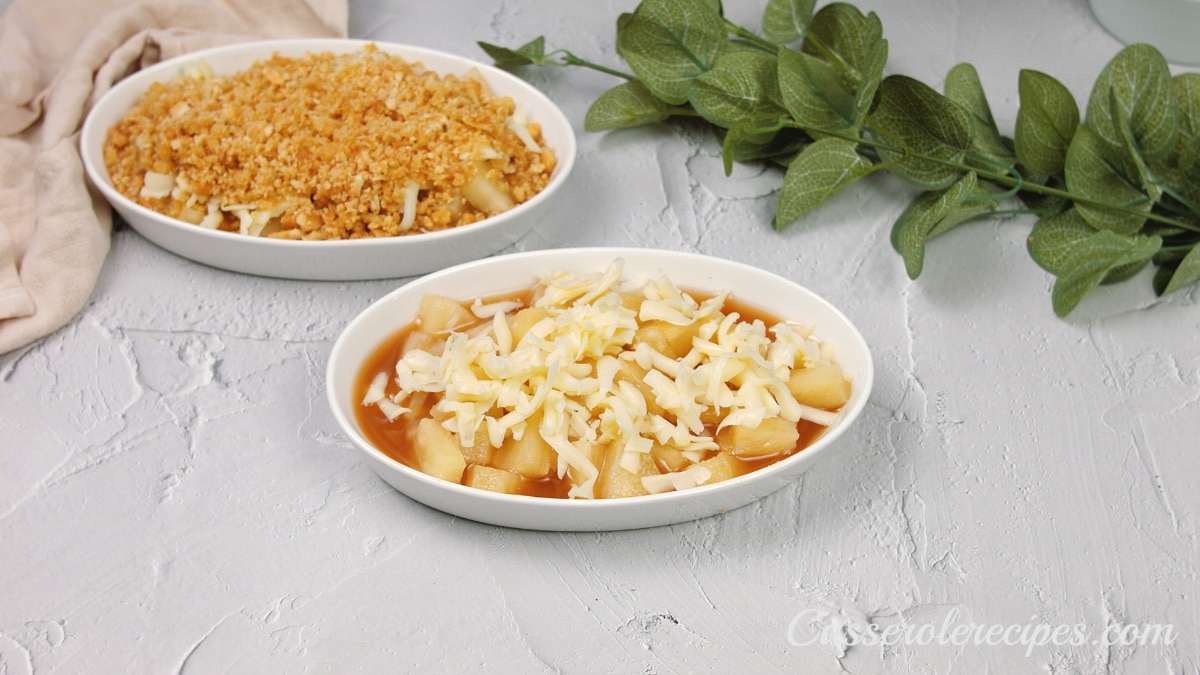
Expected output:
(56, 58)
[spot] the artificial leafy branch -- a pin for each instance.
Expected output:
(1114, 192)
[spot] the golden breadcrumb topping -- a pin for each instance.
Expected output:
(327, 146)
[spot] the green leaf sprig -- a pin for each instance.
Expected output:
(1114, 192)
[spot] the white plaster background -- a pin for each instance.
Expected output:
(175, 495)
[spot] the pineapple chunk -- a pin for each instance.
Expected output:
(418, 339)
(481, 450)
(773, 436)
(711, 416)
(632, 300)
(485, 195)
(523, 320)
(496, 480)
(615, 481)
(438, 452)
(723, 467)
(531, 456)
(820, 386)
(667, 338)
(669, 457)
(439, 314)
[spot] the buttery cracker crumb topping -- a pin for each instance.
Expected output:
(327, 146)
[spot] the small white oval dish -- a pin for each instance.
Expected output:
(359, 259)
(750, 285)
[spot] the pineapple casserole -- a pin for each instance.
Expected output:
(596, 386)
(327, 146)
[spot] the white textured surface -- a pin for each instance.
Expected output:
(174, 495)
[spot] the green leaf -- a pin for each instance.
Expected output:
(738, 146)
(629, 104)
(742, 84)
(933, 213)
(1133, 96)
(1162, 277)
(820, 171)
(932, 131)
(1186, 87)
(815, 95)
(1053, 238)
(1169, 256)
(964, 88)
(623, 20)
(853, 46)
(871, 78)
(1184, 161)
(1104, 173)
(530, 53)
(787, 21)
(1164, 230)
(736, 137)
(668, 43)
(1043, 204)
(1187, 272)
(1149, 180)
(1104, 252)
(841, 34)
(1046, 122)
(1133, 106)
(748, 138)
(1081, 257)
(1124, 272)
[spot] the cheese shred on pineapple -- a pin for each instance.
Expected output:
(586, 369)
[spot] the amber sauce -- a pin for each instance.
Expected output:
(394, 438)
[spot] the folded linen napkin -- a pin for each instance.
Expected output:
(56, 58)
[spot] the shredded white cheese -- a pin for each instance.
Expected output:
(517, 123)
(411, 192)
(377, 390)
(563, 371)
(678, 480)
(157, 185)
